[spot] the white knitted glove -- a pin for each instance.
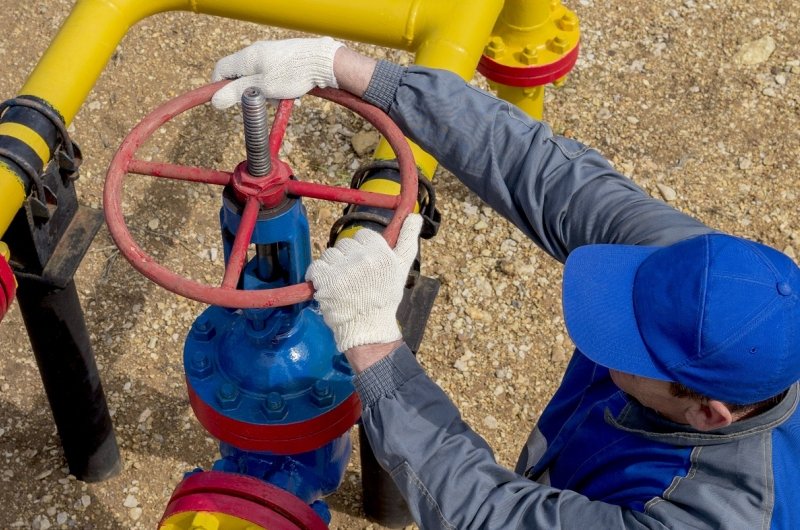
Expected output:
(360, 284)
(284, 69)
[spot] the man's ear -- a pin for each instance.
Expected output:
(708, 415)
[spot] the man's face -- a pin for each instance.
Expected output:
(653, 394)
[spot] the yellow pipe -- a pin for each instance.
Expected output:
(531, 33)
(12, 196)
(457, 46)
(448, 34)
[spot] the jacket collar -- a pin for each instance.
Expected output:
(645, 422)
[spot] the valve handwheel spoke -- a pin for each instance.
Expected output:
(238, 255)
(178, 172)
(253, 192)
(279, 125)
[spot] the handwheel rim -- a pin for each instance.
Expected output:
(231, 297)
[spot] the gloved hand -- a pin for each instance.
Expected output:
(284, 69)
(360, 284)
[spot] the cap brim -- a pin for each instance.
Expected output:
(598, 307)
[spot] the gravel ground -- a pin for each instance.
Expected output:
(697, 101)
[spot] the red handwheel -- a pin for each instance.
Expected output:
(254, 192)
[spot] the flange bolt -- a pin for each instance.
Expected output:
(275, 406)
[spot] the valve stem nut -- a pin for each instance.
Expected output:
(274, 406)
(228, 396)
(321, 393)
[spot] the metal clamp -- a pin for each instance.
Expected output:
(426, 198)
(67, 154)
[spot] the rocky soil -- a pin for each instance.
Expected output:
(698, 101)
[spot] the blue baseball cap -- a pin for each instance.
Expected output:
(716, 313)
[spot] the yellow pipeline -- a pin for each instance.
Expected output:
(444, 33)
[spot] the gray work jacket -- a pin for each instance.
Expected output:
(562, 195)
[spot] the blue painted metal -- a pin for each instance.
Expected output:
(272, 366)
(286, 227)
(274, 371)
(308, 476)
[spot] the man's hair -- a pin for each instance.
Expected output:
(750, 409)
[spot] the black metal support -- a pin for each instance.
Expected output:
(60, 342)
(48, 239)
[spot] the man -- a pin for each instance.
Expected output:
(678, 408)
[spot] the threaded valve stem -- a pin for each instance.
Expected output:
(256, 134)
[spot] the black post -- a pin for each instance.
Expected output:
(60, 341)
(48, 239)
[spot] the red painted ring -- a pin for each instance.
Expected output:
(8, 286)
(244, 497)
(282, 439)
(528, 76)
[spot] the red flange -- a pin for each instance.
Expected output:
(528, 76)
(284, 438)
(8, 286)
(244, 497)
(268, 191)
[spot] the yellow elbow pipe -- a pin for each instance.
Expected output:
(447, 34)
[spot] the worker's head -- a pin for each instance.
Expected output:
(713, 319)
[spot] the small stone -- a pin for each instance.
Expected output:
(462, 363)
(364, 142)
(633, 120)
(153, 224)
(780, 79)
(43, 474)
(755, 52)
(95, 105)
(86, 500)
(666, 192)
(135, 513)
(61, 518)
(491, 422)
(789, 251)
(480, 225)
(40, 522)
(558, 353)
(213, 254)
(130, 502)
(144, 415)
(745, 163)
(769, 92)
(604, 113)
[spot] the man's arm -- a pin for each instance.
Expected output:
(560, 193)
(557, 191)
(448, 473)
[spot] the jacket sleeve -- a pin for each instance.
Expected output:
(560, 193)
(448, 473)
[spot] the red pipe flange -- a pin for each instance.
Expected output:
(266, 191)
(282, 438)
(528, 76)
(8, 286)
(244, 497)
